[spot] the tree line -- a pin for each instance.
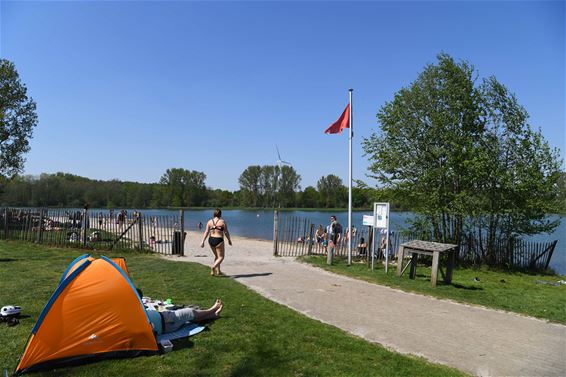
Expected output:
(260, 187)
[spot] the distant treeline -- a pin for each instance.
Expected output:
(184, 188)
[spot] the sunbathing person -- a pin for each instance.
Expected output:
(172, 320)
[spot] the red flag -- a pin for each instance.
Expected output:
(341, 123)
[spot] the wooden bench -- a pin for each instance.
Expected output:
(416, 247)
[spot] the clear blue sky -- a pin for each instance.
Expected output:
(128, 89)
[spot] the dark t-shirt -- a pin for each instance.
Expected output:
(336, 231)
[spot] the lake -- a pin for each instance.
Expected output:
(259, 224)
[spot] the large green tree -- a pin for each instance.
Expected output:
(184, 187)
(18, 117)
(463, 154)
(288, 183)
(269, 186)
(250, 186)
(332, 191)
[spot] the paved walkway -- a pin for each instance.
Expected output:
(476, 340)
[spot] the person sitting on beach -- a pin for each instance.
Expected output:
(362, 247)
(319, 235)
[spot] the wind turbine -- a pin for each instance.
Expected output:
(280, 162)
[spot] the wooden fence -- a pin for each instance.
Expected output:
(104, 230)
(511, 253)
(296, 236)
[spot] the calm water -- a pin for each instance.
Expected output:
(259, 224)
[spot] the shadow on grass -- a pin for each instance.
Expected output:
(7, 260)
(182, 343)
(460, 286)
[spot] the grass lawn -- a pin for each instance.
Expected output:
(254, 336)
(516, 292)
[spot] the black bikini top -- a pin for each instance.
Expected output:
(216, 227)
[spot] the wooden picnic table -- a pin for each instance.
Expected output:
(417, 247)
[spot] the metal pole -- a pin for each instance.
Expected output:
(350, 184)
(387, 241)
(372, 247)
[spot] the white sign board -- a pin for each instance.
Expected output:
(381, 221)
(381, 215)
(367, 220)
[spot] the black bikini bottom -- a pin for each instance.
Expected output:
(215, 241)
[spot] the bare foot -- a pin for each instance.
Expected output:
(218, 308)
(217, 303)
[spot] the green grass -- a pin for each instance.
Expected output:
(512, 291)
(254, 336)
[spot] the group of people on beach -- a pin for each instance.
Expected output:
(332, 235)
(120, 219)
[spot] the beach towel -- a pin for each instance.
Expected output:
(189, 329)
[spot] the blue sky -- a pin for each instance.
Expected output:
(128, 89)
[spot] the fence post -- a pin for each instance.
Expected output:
(5, 223)
(140, 231)
(311, 239)
(275, 232)
(182, 224)
(40, 229)
(85, 222)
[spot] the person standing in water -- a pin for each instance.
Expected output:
(215, 230)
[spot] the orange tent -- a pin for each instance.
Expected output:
(95, 312)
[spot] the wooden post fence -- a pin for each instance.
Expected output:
(140, 231)
(275, 232)
(40, 226)
(311, 239)
(182, 224)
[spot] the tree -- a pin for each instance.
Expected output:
(17, 119)
(561, 194)
(519, 172)
(331, 190)
(220, 198)
(184, 187)
(289, 181)
(250, 185)
(464, 155)
(269, 186)
(310, 198)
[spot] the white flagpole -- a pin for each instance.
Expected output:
(350, 185)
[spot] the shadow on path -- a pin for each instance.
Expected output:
(250, 275)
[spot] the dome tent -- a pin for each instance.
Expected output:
(94, 313)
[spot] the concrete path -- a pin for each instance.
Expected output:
(476, 340)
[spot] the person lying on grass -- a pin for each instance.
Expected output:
(172, 320)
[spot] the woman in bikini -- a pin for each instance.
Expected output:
(215, 230)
